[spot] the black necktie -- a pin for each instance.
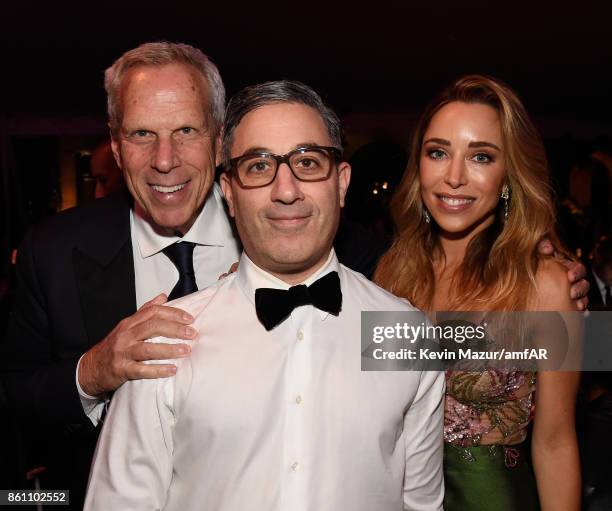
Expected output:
(181, 254)
(273, 306)
(608, 300)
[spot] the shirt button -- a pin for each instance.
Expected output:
(298, 400)
(300, 335)
(295, 465)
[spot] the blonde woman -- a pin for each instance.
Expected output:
(470, 211)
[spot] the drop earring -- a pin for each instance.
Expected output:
(506, 196)
(426, 216)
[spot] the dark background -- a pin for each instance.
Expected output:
(378, 56)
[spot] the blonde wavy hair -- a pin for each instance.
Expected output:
(500, 265)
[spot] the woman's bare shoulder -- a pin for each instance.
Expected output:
(552, 287)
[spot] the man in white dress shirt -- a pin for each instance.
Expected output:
(272, 411)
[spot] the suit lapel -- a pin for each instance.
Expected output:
(595, 296)
(595, 299)
(104, 268)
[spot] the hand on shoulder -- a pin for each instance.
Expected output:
(553, 287)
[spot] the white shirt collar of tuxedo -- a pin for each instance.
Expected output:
(251, 277)
(211, 227)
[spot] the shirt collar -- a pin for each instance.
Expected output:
(211, 227)
(251, 277)
(600, 284)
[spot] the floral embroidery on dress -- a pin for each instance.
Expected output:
(487, 407)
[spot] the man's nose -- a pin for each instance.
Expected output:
(456, 173)
(286, 187)
(166, 155)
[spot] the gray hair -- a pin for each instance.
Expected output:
(283, 91)
(162, 53)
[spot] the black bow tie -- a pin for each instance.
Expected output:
(273, 306)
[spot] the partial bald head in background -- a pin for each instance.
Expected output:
(109, 177)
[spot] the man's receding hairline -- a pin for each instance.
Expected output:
(201, 81)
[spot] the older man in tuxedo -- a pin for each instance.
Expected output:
(91, 281)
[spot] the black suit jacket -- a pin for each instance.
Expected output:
(75, 282)
(596, 302)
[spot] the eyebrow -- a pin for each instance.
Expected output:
(482, 143)
(440, 141)
(260, 149)
(256, 149)
(478, 143)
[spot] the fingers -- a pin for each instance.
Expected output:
(158, 351)
(157, 300)
(120, 355)
(231, 270)
(582, 304)
(576, 272)
(161, 326)
(159, 312)
(140, 371)
(579, 290)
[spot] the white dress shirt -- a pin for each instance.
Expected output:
(215, 251)
(278, 420)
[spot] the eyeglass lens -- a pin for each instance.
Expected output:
(307, 165)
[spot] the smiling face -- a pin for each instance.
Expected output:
(164, 145)
(462, 168)
(287, 227)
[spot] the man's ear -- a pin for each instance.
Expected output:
(115, 148)
(226, 187)
(344, 178)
